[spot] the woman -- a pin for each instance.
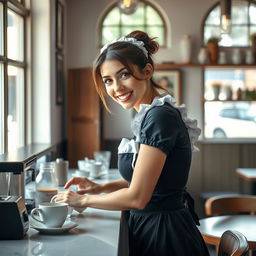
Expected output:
(154, 165)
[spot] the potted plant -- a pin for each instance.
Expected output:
(213, 49)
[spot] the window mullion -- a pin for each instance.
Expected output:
(17, 7)
(5, 77)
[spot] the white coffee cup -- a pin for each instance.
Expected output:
(95, 169)
(52, 215)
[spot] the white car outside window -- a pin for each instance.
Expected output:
(231, 122)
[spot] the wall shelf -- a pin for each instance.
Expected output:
(229, 100)
(185, 65)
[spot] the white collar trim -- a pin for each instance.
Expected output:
(191, 124)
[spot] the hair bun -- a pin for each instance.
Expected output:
(150, 44)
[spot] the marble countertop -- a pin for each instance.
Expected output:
(95, 235)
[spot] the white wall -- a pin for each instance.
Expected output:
(41, 83)
(185, 17)
(47, 117)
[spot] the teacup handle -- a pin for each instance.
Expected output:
(34, 214)
(52, 199)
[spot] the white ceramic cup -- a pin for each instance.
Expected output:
(70, 208)
(104, 157)
(52, 215)
(95, 169)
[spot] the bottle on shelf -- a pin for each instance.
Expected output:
(202, 56)
(237, 56)
(249, 58)
(222, 58)
(46, 183)
(239, 94)
(186, 49)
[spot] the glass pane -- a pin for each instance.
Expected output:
(109, 34)
(230, 119)
(252, 30)
(239, 12)
(136, 18)
(153, 18)
(15, 119)
(1, 108)
(252, 12)
(214, 17)
(240, 36)
(15, 36)
(158, 32)
(228, 107)
(128, 29)
(226, 40)
(113, 17)
(1, 30)
(211, 31)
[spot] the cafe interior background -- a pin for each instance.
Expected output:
(47, 96)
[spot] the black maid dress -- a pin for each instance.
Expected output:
(167, 225)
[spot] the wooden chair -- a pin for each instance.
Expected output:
(220, 205)
(233, 243)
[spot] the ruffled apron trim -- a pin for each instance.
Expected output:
(129, 146)
(191, 124)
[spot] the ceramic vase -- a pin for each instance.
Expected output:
(222, 58)
(229, 93)
(216, 92)
(249, 58)
(213, 52)
(236, 56)
(202, 56)
(185, 49)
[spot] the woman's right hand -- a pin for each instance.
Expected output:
(84, 185)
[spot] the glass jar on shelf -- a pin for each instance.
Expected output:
(46, 183)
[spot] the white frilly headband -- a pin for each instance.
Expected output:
(131, 40)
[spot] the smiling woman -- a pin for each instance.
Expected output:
(154, 165)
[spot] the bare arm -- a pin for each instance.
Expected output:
(145, 176)
(113, 186)
(87, 186)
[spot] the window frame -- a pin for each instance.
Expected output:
(20, 9)
(147, 3)
(208, 13)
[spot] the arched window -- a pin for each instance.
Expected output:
(243, 24)
(147, 18)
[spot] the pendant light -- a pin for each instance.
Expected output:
(225, 7)
(127, 6)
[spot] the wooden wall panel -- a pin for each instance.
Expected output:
(83, 116)
(219, 164)
(213, 169)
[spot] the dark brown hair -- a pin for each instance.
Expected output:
(128, 54)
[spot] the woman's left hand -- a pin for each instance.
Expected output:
(71, 198)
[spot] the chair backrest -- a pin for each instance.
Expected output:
(219, 205)
(233, 243)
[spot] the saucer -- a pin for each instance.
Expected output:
(68, 225)
(81, 173)
(99, 176)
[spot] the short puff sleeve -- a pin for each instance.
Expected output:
(160, 128)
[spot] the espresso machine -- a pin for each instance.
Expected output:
(14, 167)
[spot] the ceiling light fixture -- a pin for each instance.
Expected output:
(127, 6)
(225, 7)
